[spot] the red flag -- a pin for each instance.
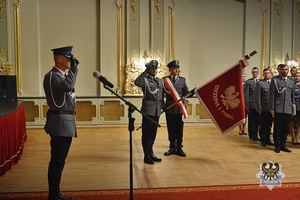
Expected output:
(223, 97)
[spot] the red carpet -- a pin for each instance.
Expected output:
(289, 191)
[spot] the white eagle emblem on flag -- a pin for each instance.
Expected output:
(229, 99)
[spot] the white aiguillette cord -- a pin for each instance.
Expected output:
(52, 94)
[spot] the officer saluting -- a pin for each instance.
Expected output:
(282, 98)
(60, 125)
(152, 105)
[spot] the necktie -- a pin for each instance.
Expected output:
(174, 79)
(155, 80)
(285, 81)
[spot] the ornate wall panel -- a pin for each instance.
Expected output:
(85, 111)
(32, 111)
(119, 43)
(172, 30)
(201, 112)
(132, 69)
(137, 56)
(296, 44)
(111, 111)
(276, 33)
(108, 111)
(5, 68)
(3, 31)
(189, 108)
(157, 33)
(133, 27)
(18, 45)
(45, 107)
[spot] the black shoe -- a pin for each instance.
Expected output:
(170, 152)
(181, 153)
(244, 133)
(61, 197)
(254, 139)
(148, 160)
(154, 158)
(240, 133)
(277, 150)
(262, 144)
(285, 149)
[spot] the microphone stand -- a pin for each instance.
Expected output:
(131, 109)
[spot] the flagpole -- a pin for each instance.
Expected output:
(250, 55)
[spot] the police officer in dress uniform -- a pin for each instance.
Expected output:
(174, 114)
(152, 106)
(262, 103)
(60, 125)
(295, 120)
(282, 98)
(253, 116)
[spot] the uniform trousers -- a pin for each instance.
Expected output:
(253, 123)
(281, 129)
(265, 127)
(149, 131)
(175, 130)
(59, 151)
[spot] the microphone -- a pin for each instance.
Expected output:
(102, 79)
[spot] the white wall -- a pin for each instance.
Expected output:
(210, 36)
(50, 24)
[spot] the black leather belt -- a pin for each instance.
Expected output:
(56, 112)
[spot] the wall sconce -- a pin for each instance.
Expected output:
(291, 62)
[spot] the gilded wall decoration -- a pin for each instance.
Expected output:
(119, 44)
(263, 33)
(157, 35)
(134, 9)
(276, 61)
(136, 59)
(171, 30)
(2, 9)
(3, 31)
(18, 45)
(158, 9)
(5, 68)
(135, 68)
(278, 9)
(276, 34)
(296, 26)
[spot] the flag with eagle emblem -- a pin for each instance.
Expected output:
(223, 97)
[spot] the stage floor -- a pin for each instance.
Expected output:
(99, 159)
